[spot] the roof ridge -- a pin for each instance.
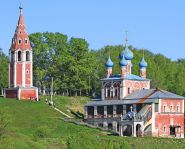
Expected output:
(146, 97)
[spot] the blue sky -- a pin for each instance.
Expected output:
(157, 25)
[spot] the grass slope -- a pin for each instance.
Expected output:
(36, 125)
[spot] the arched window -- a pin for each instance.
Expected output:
(19, 41)
(178, 108)
(164, 108)
(171, 108)
(129, 90)
(19, 56)
(27, 56)
(164, 129)
(108, 92)
(116, 92)
(26, 41)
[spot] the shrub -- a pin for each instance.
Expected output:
(42, 132)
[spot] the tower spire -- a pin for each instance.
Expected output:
(109, 52)
(143, 53)
(20, 39)
(126, 39)
(20, 7)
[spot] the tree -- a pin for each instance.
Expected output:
(77, 70)
(4, 71)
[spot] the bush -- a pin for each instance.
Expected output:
(42, 132)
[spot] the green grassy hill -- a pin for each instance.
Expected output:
(36, 125)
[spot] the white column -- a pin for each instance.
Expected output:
(114, 124)
(102, 93)
(31, 74)
(105, 111)
(19, 94)
(114, 110)
(85, 112)
(134, 107)
(23, 68)
(31, 68)
(124, 90)
(15, 74)
(134, 129)
(153, 118)
(159, 106)
(15, 70)
(120, 130)
(23, 74)
(9, 75)
(182, 110)
(95, 111)
(121, 91)
(37, 94)
(124, 109)
(113, 91)
(105, 125)
(106, 92)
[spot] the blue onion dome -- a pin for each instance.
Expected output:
(143, 63)
(123, 62)
(109, 63)
(128, 53)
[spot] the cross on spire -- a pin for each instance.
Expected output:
(20, 7)
(20, 34)
(109, 52)
(143, 52)
(126, 39)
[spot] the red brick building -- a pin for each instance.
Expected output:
(129, 107)
(21, 65)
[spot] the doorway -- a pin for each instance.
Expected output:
(138, 130)
(172, 131)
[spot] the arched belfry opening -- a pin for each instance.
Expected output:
(27, 56)
(138, 130)
(19, 56)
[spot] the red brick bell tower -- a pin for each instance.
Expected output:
(20, 65)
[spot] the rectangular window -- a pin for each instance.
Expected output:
(178, 108)
(164, 108)
(164, 129)
(171, 108)
(156, 107)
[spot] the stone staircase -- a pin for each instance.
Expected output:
(145, 115)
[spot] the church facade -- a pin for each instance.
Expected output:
(130, 108)
(21, 65)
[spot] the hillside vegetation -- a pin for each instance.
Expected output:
(76, 68)
(37, 125)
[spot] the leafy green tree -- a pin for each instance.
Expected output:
(77, 70)
(4, 71)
